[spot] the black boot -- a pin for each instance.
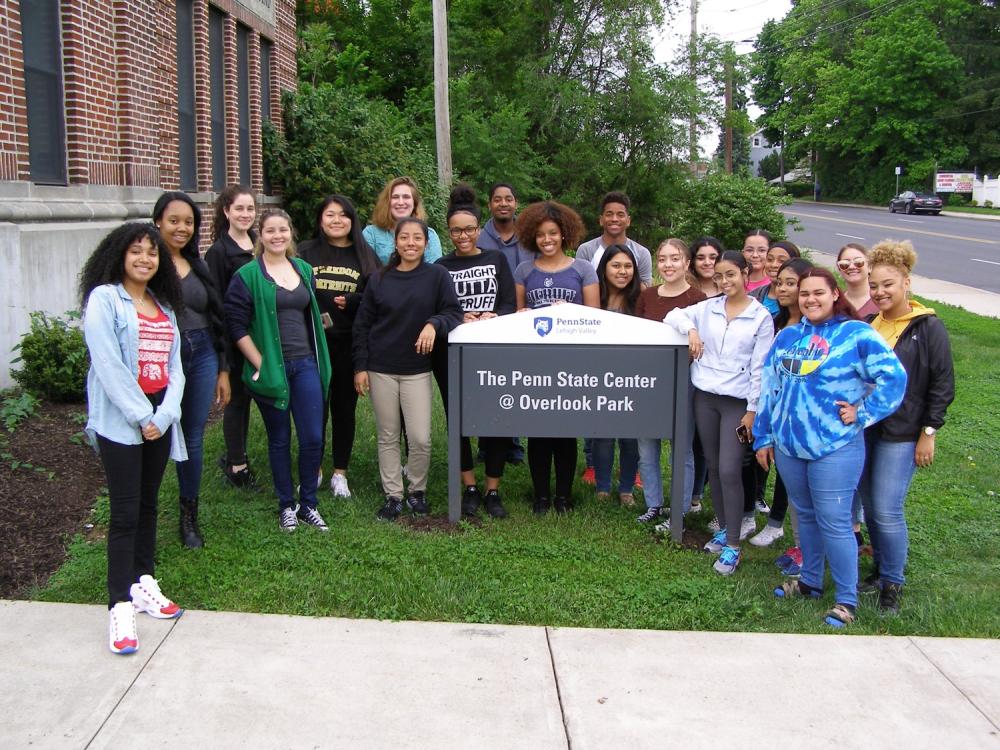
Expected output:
(190, 535)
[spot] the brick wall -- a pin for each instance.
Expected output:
(120, 89)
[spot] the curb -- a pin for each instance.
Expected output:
(953, 214)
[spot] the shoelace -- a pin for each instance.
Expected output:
(116, 618)
(288, 517)
(729, 556)
(313, 517)
(650, 514)
(153, 593)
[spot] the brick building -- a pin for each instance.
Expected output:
(104, 104)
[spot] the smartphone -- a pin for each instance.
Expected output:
(326, 320)
(743, 434)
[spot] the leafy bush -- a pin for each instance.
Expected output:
(16, 408)
(799, 189)
(337, 141)
(769, 168)
(727, 206)
(957, 199)
(54, 359)
(987, 204)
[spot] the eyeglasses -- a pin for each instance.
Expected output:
(843, 265)
(459, 231)
(728, 276)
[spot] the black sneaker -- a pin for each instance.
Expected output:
(244, 479)
(471, 498)
(870, 584)
(312, 517)
(562, 504)
(494, 506)
(651, 514)
(541, 506)
(417, 504)
(390, 510)
(888, 598)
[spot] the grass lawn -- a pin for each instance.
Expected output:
(973, 210)
(596, 567)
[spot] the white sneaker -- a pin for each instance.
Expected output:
(122, 636)
(338, 485)
(713, 526)
(147, 597)
(695, 505)
(663, 527)
(762, 507)
(748, 527)
(767, 536)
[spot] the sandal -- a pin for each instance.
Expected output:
(627, 499)
(793, 589)
(839, 616)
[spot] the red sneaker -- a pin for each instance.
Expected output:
(122, 638)
(147, 597)
(588, 476)
(638, 481)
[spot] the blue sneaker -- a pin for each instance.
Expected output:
(728, 561)
(716, 544)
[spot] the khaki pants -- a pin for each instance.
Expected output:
(412, 395)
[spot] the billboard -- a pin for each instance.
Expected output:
(954, 182)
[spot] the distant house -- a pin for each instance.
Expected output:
(759, 148)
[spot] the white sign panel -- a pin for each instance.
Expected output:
(954, 182)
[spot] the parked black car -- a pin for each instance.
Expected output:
(909, 202)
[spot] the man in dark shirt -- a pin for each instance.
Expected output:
(499, 232)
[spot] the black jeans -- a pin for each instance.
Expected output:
(134, 473)
(236, 417)
(343, 400)
(542, 453)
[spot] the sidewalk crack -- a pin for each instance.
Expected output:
(953, 683)
(555, 676)
(138, 674)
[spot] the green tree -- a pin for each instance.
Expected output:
(769, 167)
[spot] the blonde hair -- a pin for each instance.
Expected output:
(382, 216)
(272, 213)
(674, 242)
(896, 253)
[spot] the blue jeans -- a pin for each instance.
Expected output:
(604, 459)
(652, 474)
(822, 492)
(889, 469)
(306, 407)
(201, 371)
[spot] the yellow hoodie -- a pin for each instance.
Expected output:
(891, 330)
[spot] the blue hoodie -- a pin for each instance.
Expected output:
(809, 368)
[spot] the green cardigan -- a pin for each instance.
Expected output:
(272, 384)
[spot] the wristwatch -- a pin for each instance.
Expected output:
(929, 431)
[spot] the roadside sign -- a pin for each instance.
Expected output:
(954, 182)
(899, 171)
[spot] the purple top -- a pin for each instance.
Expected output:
(542, 288)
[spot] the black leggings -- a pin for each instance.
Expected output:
(343, 401)
(542, 452)
(236, 417)
(494, 448)
(134, 473)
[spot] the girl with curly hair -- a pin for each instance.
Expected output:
(130, 294)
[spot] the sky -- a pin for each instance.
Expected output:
(730, 20)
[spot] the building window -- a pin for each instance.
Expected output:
(243, 99)
(265, 96)
(185, 95)
(217, 92)
(756, 142)
(43, 88)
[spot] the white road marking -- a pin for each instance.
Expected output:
(827, 211)
(852, 236)
(912, 221)
(980, 260)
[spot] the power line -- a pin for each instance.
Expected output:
(964, 114)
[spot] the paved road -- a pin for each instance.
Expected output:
(964, 251)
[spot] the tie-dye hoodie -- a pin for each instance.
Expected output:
(808, 369)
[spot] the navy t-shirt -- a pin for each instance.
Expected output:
(542, 288)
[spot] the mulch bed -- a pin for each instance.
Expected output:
(39, 515)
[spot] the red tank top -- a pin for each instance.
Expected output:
(156, 336)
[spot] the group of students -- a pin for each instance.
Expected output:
(781, 364)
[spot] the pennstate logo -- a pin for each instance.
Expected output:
(543, 326)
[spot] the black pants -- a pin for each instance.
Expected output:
(134, 473)
(343, 400)
(236, 417)
(542, 453)
(494, 448)
(754, 480)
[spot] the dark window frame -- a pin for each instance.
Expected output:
(266, 54)
(41, 45)
(217, 94)
(243, 102)
(187, 144)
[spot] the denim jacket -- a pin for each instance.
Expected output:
(117, 409)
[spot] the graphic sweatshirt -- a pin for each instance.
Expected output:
(811, 367)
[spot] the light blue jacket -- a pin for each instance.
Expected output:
(117, 409)
(383, 242)
(810, 368)
(735, 349)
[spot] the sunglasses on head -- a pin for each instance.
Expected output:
(843, 265)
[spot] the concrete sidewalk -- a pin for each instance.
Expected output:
(226, 680)
(969, 298)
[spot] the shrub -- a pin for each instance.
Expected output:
(53, 358)
(726, 207)
(987, 204)
(957, 199)
(337, 141)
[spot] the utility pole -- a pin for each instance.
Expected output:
(693, 70)
(442, 117)
(729, 114)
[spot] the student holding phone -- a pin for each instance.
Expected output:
(728, 337)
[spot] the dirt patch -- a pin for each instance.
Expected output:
(440, 524)
(691, 538)
(43, 506)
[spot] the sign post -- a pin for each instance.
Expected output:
(569, 371)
